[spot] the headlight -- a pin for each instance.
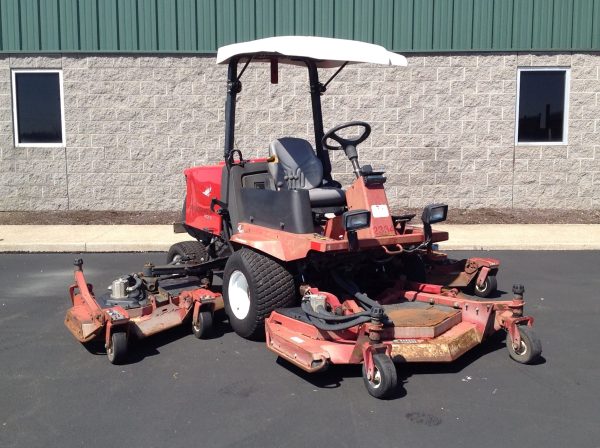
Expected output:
(434, 213)
(356, 220)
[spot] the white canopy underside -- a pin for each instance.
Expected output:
(326, 51)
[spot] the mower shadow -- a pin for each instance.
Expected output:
(143, 348)
(139, 349)
(333, 377)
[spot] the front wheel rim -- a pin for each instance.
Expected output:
(483, 287)
(376, 380)
(238, 294)
(521, 350)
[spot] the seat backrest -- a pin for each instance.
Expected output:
(296, 165)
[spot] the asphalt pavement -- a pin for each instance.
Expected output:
(182, 392)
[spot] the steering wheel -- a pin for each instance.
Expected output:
(344, 142)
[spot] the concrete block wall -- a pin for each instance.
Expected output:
(443, 129)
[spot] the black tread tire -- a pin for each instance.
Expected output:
(388, 377)
(195, 250)
(490, 285)
(270, 285)
(204, 328)
(530, 342)
(117, 351)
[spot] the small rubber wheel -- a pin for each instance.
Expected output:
(195, 251)
(490, 285)
(385, 379)
(253, 286)
(204, 327)
(530, 349)
(117, 351)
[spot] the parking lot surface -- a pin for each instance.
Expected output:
(179, 391)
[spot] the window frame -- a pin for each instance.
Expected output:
(565, 139)
(61, 144)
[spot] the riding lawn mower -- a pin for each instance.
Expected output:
(325, 275)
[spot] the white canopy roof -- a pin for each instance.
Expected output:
(326, 51)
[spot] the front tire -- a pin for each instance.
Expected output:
(530, 348)
(253, 286)
(385, 378)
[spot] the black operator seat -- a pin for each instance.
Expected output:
(296, 167)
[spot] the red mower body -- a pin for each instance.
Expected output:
(274, 234)
(203, 184)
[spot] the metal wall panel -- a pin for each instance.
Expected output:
(203, 25)
(483, 24)
(596, 25)
(542, 24)
(583, 12)
(502, 24)
(403, 24)
(49, 34)
(522, 24)
(383, 23)
(442, 24)
(108, 31)
(462, 24)
(562, 25)
(422, 38)
(343, 19)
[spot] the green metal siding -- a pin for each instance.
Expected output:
(202, 26)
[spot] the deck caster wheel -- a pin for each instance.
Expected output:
(203, 329)
(117, 350)
(385, 379)
(530, 348)
(487, 288)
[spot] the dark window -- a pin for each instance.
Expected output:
(38, 107)
(542, 106)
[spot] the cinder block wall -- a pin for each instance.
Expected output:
(443, 129)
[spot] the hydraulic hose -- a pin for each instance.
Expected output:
(320, 320)
(330, 317)
(138, 283)
(351, 288)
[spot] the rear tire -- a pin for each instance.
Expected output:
(530, 349)
(489, 287)
(117, 350)
(253, 286)
(195, 251)
(385, 378)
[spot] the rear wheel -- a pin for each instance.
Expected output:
(488, 287)
(117, 350)
(385, 378)
(253, 286)
(530, 348)
(194, 251)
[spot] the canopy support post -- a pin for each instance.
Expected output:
(316, 90)
(233, 88)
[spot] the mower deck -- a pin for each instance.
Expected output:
(425, 323)
(165, 304)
